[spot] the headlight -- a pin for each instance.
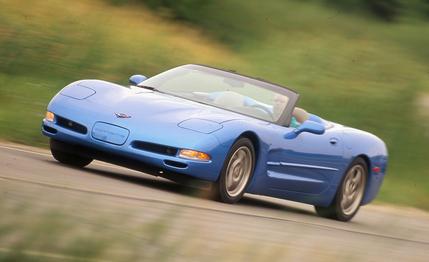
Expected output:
(194, 155)
(200, 125)
(50, 116)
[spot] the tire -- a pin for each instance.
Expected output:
(236, 172)
(352, 185)
(67, 158)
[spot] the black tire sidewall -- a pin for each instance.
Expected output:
(67, 158)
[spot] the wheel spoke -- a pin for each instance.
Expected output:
(356, 177)
(353, 188)
(238, 171)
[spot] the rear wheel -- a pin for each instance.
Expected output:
(349, 195)
(236, 172)
(58, 150)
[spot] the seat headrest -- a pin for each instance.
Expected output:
(300, 114)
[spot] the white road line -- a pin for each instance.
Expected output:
(50, 156)
(47, 255)
(23, 150)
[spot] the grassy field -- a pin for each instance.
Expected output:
(349, 68)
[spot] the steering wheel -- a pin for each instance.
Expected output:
(260, 112)
(266, 110)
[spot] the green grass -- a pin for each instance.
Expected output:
(349, 68)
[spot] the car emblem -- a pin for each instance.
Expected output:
(122, 115)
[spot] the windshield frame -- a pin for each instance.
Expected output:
(286, 115)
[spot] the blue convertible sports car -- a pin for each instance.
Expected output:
(239, 133)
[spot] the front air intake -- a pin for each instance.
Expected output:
(71, 125)
(154, 148)
(49, 129)
(175, 164)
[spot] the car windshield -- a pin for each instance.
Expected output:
(224, 90)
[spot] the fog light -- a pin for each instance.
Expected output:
(195, 155)
(49, 116)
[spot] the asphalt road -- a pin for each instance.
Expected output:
(377, 233)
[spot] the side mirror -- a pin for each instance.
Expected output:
(136, 79)
(308, 126)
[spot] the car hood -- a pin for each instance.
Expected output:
(146, 105)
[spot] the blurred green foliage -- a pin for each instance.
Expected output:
(183, 9)
(349, 68)
(385, 9)
(388, 10)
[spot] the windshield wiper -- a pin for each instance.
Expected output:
(150, 88)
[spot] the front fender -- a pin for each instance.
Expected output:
(255, 130)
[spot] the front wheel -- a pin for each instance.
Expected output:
(349, 195)
(236, 172)
(58, 150)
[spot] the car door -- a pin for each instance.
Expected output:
(308, 163)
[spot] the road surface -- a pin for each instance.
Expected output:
(271, 228)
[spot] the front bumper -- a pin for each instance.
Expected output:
(169, 166)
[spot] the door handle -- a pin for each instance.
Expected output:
(333, 141)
